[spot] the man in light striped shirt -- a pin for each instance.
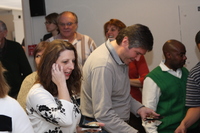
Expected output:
(68, 23)
(192, 95)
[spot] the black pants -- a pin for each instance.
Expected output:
(136, 123)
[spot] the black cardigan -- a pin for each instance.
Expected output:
(14, 60)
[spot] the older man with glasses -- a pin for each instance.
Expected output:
(68, 24)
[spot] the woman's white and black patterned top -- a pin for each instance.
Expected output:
(49, 114)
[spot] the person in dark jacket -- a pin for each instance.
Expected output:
(14, 60)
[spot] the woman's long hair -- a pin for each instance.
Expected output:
(50, 56)
(4, 87)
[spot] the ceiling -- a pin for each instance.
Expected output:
(10, 4)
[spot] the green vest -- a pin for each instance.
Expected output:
(171, 103)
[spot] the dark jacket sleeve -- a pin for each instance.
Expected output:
(25, 67)
(14, 60)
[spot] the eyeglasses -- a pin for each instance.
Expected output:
(66, 24)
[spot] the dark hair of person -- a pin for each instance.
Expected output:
(117, 23)
(40, 47)
(66, 12)
(139, 36)
(3, 26)
(197, 38)
(4, 87)
(52, 18)
(169, 46)
(50, 56)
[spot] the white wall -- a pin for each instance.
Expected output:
(166, 19)
(18, 25)
(14, 22)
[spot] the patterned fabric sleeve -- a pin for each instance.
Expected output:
(58, 112)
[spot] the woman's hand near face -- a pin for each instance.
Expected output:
(58, 78)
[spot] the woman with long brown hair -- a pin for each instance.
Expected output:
(50, 105)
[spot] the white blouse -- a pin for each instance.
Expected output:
(50, 114)
(11, 110)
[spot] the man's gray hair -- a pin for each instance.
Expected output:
(3, 26)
